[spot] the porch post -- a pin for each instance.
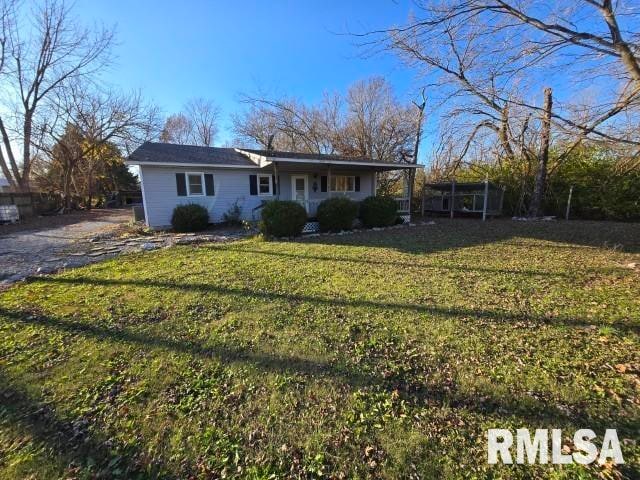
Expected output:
(375, 182)
(409, 177)
(486, 199)
(329, 180)
(453, 196)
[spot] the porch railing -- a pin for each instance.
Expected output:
(403, 205)
(311, 206)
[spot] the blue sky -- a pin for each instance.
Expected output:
(174, 51)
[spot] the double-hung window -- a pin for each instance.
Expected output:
(195, 184)
(264, 185)
(343, 183)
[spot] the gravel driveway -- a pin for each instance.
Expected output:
(47, 244)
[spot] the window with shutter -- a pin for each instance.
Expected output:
(343, 183)
(208, 184)
(181, 184)
(195, 184)
(264, 185)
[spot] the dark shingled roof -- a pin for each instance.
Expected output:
(172, 154)
(175, 154)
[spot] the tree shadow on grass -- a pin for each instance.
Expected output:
(430, 309)
(69, 443)
(449, 234)
(434, 395)
(420, 264)
(532, 412)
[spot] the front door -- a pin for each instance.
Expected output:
(299, 190)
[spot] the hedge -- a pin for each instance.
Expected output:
(336, 214)
(283, 218)
(378, 211)
(189, 218)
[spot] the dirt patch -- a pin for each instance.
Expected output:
(35, 224)
(53, 244)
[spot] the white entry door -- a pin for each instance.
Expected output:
(300, 190)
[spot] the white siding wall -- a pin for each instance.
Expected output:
(161, 196)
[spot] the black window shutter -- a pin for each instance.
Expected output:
(208, 183)
(253, 184)
(323, 183)
(273, 185)
(181, 184)
(357, 184)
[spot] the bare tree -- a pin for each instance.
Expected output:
(253, 128)
(288, 124)
(366, 122)
(7, 25)
(377, 125)
(197, 124)
(87, 123)
(177, 129)
(543, 156)
(203, 116)
(43, 60)
(485, 59)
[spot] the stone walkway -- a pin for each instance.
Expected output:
(47, 250)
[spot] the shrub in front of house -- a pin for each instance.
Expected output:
(233, 216)
(189, 218)
(378, 211)
(336, 214)
(283, 218)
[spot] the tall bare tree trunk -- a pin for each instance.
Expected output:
(543, 156)
(14, 180)
(26, 150)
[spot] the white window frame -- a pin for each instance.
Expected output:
(204, 188)
(261, 194)
(353, 183)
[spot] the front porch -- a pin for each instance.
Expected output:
(310, 185)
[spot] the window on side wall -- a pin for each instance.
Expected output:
(343, 183)
(264, 185)
(195, 184)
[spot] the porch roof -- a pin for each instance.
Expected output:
(155, 153)
(268, 157)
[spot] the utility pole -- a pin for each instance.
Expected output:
(412, 172)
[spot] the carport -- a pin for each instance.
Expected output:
(468, 198)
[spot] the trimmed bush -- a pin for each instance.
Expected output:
(283, 218)
(378, 211)
(233, 216)
(189, 218)
(335, 214)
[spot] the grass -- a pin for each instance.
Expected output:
(379, 355)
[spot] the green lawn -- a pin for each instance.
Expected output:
(378, 355)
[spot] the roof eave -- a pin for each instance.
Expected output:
(183, 164)
(263, 161)
(344, 162)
